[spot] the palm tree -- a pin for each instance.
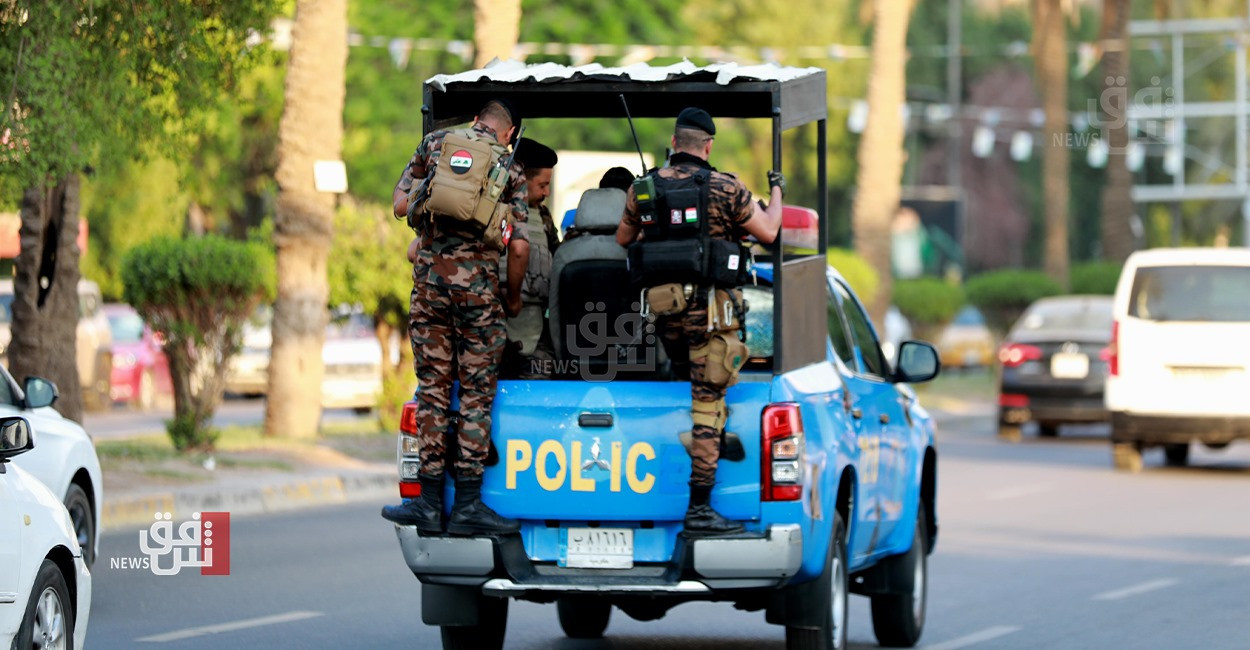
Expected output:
(1050, 56)
(1117, 200)
(878, 183)
(311, 130)
(496, 27)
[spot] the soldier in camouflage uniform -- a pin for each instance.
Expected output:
(457, 332)
(731, 214)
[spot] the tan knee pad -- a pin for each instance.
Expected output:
(709, 414)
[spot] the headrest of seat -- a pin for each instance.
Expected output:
(600, 209)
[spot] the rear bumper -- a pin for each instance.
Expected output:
(1161, 429)
(1050, 409)
(699, 567)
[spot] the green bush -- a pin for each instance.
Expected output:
(856, 271)
(1098, 278)
(928, 302)
(196, 294)
(1003, 295)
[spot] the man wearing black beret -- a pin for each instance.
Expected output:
(696, 338)
(529, 348)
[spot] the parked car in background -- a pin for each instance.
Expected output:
(94, 341)
(45, 586)
(140, 376)
(351, 355)
(1179, 363)
(64, 460)
(1054, 365)
(967, 342)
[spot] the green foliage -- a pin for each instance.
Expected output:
(928, 301)
(856, 271)
(368, 261)
(1003, 295)
(196, 293)
(1095, 277)
(397, 388)
(88, 82)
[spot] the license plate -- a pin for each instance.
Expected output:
(1069, 365)
(598, 548)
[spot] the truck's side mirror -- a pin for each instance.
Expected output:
(40, 392)
(15, 438)
(917, 362)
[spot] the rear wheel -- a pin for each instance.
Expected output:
(1047, 429)
(832, 634)
(488, 634)
(583, 618)
(898, 619)
(49, 619)
(79, 507)
(1126, 456)
(1176, 455)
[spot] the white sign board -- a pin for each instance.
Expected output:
(330, 176)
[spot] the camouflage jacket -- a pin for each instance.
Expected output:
(729, 201)
(449, 258)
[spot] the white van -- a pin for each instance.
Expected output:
(1179, 360)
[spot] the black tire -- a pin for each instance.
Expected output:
(898, 619)
(49, 617)
(1047, 429)
(488, 634)
(832, 634)
(362, 410)
(584, 618)
(83, 516)
(1176, 454)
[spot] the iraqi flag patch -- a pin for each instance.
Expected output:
(461, 161)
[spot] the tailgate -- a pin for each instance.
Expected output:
(582, 451)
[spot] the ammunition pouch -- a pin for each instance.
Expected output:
(498, 231)
(726, 310)
(709, 414)
(668, 299)
(725, 355)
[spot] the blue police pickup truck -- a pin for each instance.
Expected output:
(828, 460)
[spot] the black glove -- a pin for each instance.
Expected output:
(776, 179)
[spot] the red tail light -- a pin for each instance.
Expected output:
(781, 472)
(409, 453)
(1010, 400)
(1014, 354)
(1111, 353)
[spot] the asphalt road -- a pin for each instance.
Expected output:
(1042, 545)
(122, 422)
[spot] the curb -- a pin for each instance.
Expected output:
(274, 497)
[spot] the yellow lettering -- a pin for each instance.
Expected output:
(519, 457)
(615, 474)
(545, 480)
(639, 485)
(578, 482)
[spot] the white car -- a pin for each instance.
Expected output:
(45, 587)
(1179, 368)
(65, 458)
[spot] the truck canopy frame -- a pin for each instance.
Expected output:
(789, 97)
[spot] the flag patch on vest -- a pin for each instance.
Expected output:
(460, 161)
(692, 215)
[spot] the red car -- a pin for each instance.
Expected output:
(140, 375)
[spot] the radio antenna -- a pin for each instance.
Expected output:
(637, 146)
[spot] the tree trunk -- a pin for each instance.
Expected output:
(496, 27)
(311, 130)
(1117, 199)
(45, 293)
(1050, 56)
(877, 187)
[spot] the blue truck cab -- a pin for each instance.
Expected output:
(828, 460)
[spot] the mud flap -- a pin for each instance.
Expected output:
(449, 605)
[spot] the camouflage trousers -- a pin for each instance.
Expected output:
(680, 334)
(457, 334)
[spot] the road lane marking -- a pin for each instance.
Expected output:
(1134, 590)
(1242, 561)
(1017, 492)
(988, 634)
(191, 632)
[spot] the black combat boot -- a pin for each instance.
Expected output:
(425, 512)
(469, 516)
(702, 520)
